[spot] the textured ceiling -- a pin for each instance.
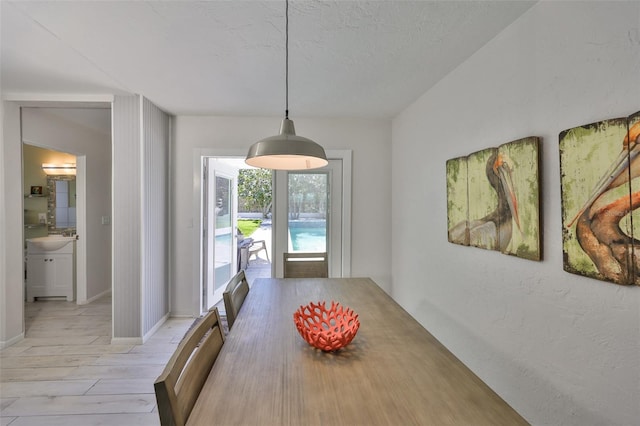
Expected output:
(347, 58)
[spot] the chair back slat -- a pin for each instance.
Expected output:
(234, 296)
(306, 265)
(179, 385)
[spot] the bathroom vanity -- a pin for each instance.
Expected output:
(51, 267)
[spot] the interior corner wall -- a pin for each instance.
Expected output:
(126, 219)
(3, 243)
(141, 133)
(560, 348)
(155, 213)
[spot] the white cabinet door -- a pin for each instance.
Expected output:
(60, 281)
(49, 275)
(36, 275)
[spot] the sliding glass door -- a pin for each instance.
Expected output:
(309, 215)
(308, 211)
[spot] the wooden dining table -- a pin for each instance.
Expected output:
(394, 372)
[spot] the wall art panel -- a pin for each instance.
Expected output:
(600, 192)
(493, 199)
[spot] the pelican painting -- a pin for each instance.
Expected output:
(600, 167)
(493, 199)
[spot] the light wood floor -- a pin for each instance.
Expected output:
(66, 373)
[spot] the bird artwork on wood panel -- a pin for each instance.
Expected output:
(487, 193)
(494, 230)
(603, 226)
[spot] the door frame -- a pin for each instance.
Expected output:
(13, 304)
(199, 153)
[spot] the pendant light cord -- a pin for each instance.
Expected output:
(286, 50)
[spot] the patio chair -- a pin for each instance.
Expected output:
(255, 247)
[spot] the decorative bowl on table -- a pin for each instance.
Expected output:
(328, 329)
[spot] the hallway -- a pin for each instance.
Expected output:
(66, 372)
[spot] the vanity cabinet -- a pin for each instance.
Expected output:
(50, 273)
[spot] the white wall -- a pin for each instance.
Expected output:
(560, 348)
(370, 142)
(12, 271)
(155, 142)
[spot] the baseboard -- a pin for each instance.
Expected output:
(127, 341)
(13, 340)
(155, 328)
(139, 340)
(94, 298)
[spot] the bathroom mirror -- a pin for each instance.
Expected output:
(62, 202)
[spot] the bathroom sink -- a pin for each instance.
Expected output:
(51, 243)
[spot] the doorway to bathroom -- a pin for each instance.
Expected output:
(71, 205)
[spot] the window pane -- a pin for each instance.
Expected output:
(308, 207)
(223, 232)
(223, 189)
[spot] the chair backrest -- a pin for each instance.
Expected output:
(306, 265)
(179, 385)
(234, 296)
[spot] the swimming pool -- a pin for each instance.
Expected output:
(308, 235)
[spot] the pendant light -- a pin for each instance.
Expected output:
(286, 151)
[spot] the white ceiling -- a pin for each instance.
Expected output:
(347, 58)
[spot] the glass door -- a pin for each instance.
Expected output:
(308, 211)
(309, 216)
(220, 219)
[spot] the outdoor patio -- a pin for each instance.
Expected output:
(259, 266)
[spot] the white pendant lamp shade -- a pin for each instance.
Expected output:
(286, 151)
